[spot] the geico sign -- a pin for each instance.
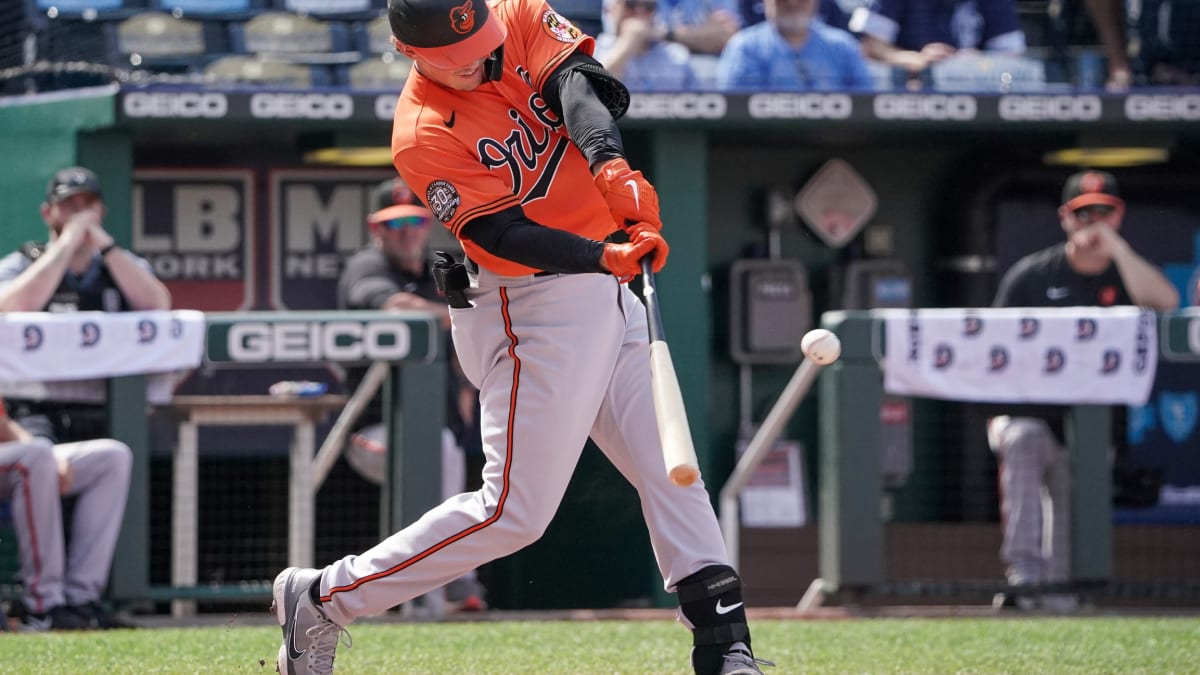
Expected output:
(800, 106)
(677, 106)
(256, 342)
(385, 106)
(954, 107)
(1050, 108)
(1163, 107)
(302, 106)
(181, 104)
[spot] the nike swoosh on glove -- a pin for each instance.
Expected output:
(630, 197)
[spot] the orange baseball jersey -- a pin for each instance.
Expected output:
(478, 152)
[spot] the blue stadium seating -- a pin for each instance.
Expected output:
(160, 42)
(43, 14)
(373, 37)
(238, 70)
(211, 9)
(378, 73)
(333, 9)
(293, 37)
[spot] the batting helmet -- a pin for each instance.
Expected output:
(448, 34)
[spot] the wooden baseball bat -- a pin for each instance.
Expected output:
(679, 455)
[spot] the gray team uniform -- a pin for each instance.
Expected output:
(52, 573)
(1034, 462)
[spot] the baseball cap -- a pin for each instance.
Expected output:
(401, 216)
(1091, 187)
(393, 192)
(72, 181)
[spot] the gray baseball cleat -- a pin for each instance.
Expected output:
(310, 640)
(739, 661)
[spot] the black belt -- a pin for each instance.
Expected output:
(473, 268)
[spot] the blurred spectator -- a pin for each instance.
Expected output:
(832, 12)
(703, 26)
(395, 272)
(80, 269)
(637, 53)
(915, 34)
(61, 585)
(1093, 267)
(1108, 16)
(792, 50)
(1169, 36)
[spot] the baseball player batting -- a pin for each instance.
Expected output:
(507, 128)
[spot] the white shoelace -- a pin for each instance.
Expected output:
(325, 636)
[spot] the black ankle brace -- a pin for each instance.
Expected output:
(711, 600)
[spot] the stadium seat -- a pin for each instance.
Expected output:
(84, 9)
(374, 36)
(292, 37)
(211, 9)
(158, 41)
(885, 77)
(379, 73)
(243, 70)
(986, 72)
(333, 9)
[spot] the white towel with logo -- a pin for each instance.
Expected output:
(42, 346)
(1067, 355)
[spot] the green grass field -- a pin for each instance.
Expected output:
(955, 645)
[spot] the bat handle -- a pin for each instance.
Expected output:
(650, 298)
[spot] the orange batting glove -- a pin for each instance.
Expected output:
(630, 197)
(625, 260)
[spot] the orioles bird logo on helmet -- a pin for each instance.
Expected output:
(462, 18)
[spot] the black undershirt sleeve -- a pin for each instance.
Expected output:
(511, 235)
(590, 123)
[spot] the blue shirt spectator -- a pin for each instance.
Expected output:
(832, 12)
(792, 50)
(913, 34)
(636, 54)
(703, 26)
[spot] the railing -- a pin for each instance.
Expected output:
(408, 340)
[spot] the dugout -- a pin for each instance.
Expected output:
(962, 184)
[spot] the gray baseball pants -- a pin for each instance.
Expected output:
(51, 572)
(1035, 507)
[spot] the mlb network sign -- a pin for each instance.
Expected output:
(317, 219)
(308, 337)
(203, 231)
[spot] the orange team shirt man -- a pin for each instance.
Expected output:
(506, 127)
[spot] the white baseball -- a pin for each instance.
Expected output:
(821, 346)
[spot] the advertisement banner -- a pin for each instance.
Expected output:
(195, 226)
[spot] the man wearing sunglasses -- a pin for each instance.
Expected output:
(1095, 266)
